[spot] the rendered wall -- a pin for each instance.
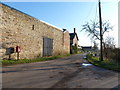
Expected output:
(75, 41)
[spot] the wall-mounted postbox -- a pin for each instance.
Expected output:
(18, 49)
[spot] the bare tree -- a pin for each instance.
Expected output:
(93, 29)
(95, 46)
(109, 41)
(109, 45)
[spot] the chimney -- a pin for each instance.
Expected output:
(74, 30)
(64, 30)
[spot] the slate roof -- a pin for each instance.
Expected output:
(72, 35)
(86, 47)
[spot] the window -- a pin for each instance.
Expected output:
(33, 27)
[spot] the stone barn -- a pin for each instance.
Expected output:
(35, 38)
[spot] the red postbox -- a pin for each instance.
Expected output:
(18, 49)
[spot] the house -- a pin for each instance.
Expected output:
(73, 41)
(30, 37)
(74, 38)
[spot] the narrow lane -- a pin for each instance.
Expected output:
(68, 72)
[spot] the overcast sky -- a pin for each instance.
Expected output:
(71, 15)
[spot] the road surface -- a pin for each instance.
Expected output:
(68, 72)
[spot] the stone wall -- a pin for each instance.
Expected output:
(18, 28)
(66, 41)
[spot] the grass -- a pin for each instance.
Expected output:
(104, 64)
(21, 61)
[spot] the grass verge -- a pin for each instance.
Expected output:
(21, 61)
(104, 64)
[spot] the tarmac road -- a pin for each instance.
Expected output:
(68, 72)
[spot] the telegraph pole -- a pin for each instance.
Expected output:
(101, 34)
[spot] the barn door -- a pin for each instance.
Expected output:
(47, 46)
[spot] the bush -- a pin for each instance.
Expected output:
(116, 55)
(89, 56)
(74, 49)
(112, 54)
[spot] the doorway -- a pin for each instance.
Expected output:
(47, 46)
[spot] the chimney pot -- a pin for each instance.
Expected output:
(74, 30)
(64, 30)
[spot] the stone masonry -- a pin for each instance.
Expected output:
(20, 29)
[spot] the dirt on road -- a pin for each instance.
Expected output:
(68, 72)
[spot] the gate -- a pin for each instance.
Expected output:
(47, 46)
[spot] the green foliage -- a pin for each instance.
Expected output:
(89, 56)
(21, 61)
(112, 54)
(116, 55)
(74, 49)
(104, 64)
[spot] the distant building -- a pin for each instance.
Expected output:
(87, 48)
(73, 41)
(74, 38)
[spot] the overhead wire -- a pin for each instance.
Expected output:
(96, 14)
(90, 11)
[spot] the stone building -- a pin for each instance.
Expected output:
(34, 37)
